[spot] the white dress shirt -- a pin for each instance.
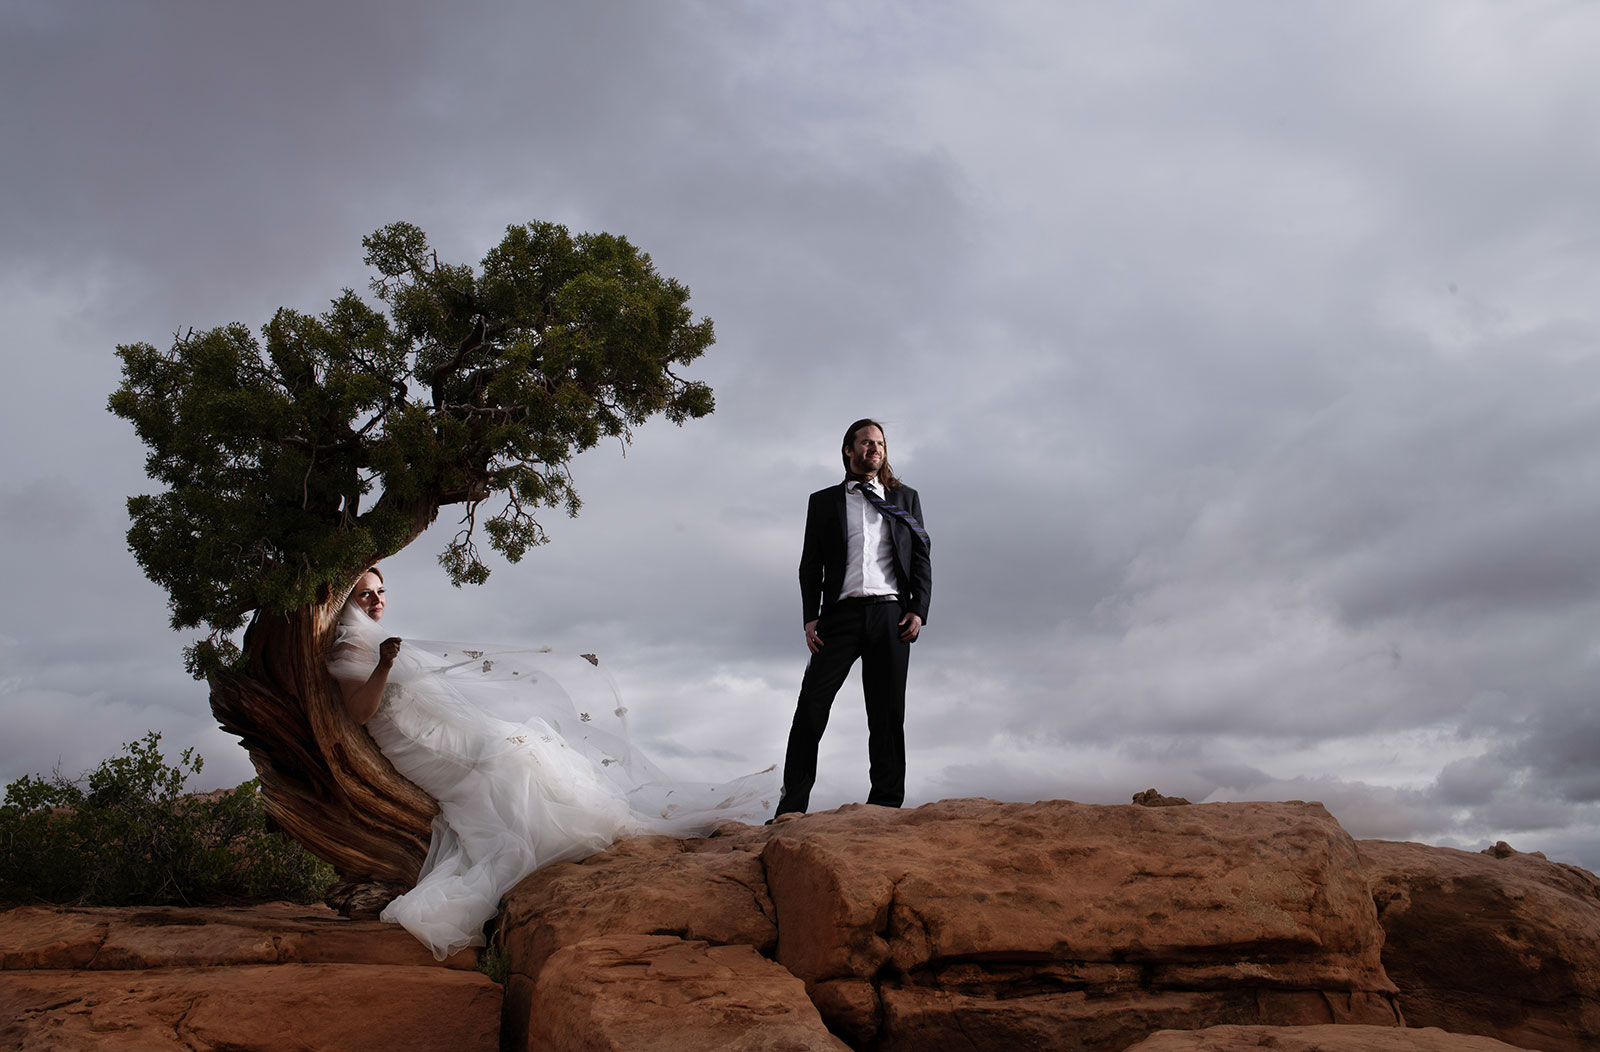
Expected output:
(869, 557)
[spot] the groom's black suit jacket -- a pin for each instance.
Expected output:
(822, 556)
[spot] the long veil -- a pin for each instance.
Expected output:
(528, 754)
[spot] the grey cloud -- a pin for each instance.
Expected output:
(1241, 357)
(1368, 812)
(1477, 781)
(42, 508)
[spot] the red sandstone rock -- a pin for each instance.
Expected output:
(979, 925)
(251, 1008)
(171, 937)
(247, 979)
(713, 890)
(964, 925)
(1317, 1039)
(51, 937)
(1507, 947)
(664, 994)
(1152, 798)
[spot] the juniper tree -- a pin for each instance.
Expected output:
(294, 458)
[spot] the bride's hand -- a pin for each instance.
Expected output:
(362, 697)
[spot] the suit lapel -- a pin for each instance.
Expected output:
(898, 544)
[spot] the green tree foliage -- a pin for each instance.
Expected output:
(293, 459)
(130, 836)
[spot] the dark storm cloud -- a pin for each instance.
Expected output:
(165, 132)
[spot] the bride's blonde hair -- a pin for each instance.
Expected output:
(351, 594)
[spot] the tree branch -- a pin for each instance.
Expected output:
(440, 373)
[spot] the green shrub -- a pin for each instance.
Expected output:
(495, 962)
(132, 837)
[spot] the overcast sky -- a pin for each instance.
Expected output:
(1245, 355)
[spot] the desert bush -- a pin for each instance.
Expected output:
(128, 834)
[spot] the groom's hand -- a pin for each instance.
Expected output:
(910, 625)
(813, 641)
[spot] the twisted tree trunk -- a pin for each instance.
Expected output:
(323, 780)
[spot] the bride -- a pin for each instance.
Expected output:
(526, 752)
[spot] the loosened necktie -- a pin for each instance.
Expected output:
(898, 512)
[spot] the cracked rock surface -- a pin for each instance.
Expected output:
(1498, 943)
(974, 925)
(1029, 925)
(977, 925)
(964, 925)
(1319, 1039)
(262, 978)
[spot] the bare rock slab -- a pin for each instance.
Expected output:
(251, 1008)
(979, 926)
(643, 993)
(712, 890)
(1318, 1039)
(52, 937)
(1076, 926)
(271, 977)
(99, 938)
(1506, 947)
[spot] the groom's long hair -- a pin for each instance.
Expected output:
(886, 475)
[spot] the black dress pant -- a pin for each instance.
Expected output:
(853, 629)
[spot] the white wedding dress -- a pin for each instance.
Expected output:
(527, 754)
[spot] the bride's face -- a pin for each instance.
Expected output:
(369, 595)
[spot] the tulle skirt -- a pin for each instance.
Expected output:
(527, 754)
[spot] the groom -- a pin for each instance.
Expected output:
(865, 576)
